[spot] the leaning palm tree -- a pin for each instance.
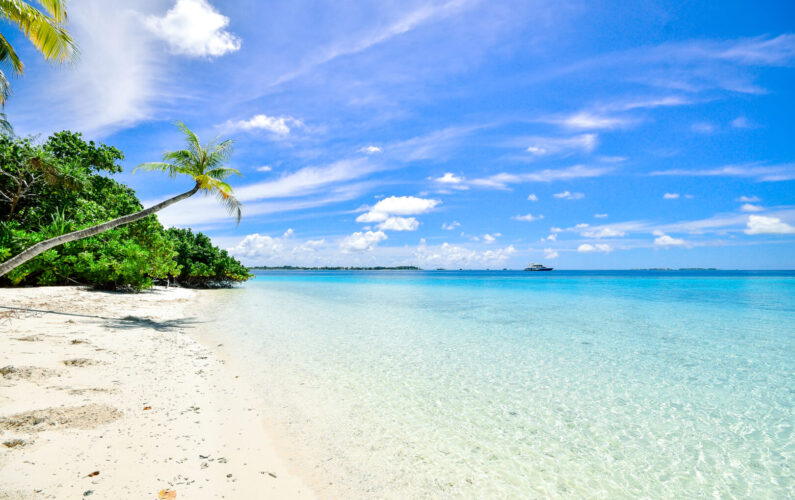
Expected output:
(203, 163)
(45, 31)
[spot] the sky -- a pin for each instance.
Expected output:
(453, 133)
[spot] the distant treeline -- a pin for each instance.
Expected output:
(335, 268)
(680, 269)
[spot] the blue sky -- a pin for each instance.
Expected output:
(458, 133)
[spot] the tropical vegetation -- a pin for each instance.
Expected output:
(63, 186)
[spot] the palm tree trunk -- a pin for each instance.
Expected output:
(43, 246)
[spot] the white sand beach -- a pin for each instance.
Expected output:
(108, 395)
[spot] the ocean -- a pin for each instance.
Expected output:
(483, 384)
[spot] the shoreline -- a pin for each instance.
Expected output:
(119, 384)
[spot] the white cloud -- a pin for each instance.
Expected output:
(604, 232)
(451, 226)
(550, 254)
(748, 207)
(447, 255)
(503, 180)
(280, 125)
(763, 173)
(370, 150)
(527, 217)
(386, 209)
(759, 224)
(488, 238)
(399, 224)
(362, 241)
(194, 28)
(663, 240)
(551, 237)
(671, 196)
(588, 120)
(748, 199)
(532, 197)
(449, 178)
(405, 205)
(600, 216)
(262, 249)
(264, 168)
(542, 146)
(566, 195)
(599, 247)
(555, 230)
(372, 217)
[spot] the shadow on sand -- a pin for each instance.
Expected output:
(126, 322)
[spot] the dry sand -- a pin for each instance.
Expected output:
(108, 395)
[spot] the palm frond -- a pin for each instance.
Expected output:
(5, 125)
(7, 53)
(190, 137)
(5, 88)
(222, 173)
(55, 8)
(43, 31)
(231, 204)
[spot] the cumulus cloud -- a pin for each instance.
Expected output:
(759, 224)
(274, 250)
(600, 216)
(447, 255)
(532, 197)
(264, 168)
(599, 247)
(663, 240)
(370, 150)
(399, 224)
(362, 241)
(398, 205)
(527, 217)
(551, 237)
(550, 253)
(748, 207)
(566, 195)
(194, 28)
(451, 226)
(278, 125)
(488, 238)
(671, 196)
(748, 199)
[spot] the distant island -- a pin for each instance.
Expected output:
(680, 269)
(334, 268)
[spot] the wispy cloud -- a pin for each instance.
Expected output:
(408, 21)
(757, 171)
(504, 180)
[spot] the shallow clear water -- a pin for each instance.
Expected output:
(524, 385)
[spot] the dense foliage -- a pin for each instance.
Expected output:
(62, 185)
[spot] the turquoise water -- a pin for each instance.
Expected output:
(524, 385)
